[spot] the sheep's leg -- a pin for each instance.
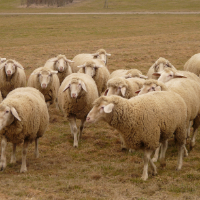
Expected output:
(123, 144)
(188, 130)
(156, 155)
(180, 156)
(72, 122)
(13, 156)
(24, 152)
(36, 148)
(195, 131)
(185, 151)
(81, 128)
(162, 153)
(147, 158)
(3, 153)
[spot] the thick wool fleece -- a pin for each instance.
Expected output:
(146, 120)
(158, 83)
(50, 93)
(18, 79)
(155, 67)
(34, 117)
(101, 77)
(52, 65)
(131, 85)
(193, 64)
(123, 72)
(81, 106)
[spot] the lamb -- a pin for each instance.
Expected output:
(23, 119)
(75, 97)
(60, 64)
(47, 82)
(145, 121)
(97, 70)
(81, 59)
(131, 73)
(12, 76)
(193, 64)
(124, 87)
(159, 66)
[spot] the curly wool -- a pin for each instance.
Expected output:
(146, 120)
(81, 106)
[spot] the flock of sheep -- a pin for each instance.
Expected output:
(146, 110)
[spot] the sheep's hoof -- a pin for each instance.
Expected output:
(75, 145)
(144, 178)
(2, 166)
(154, 159)
(192, 144)
(123, 149)
(155, 173)
(23, 170)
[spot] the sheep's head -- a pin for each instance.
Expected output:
(7, 115)
(168, 74)
(100, 110)
(161, 64)
(10, 67)
(90, 68)
(61, 63)
(45, 77)
(116, 86)
(134, 73)
(76, 87)
(101, 54)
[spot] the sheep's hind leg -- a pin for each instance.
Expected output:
(180, 156)
(3, 153)
(13, 155)
(72, 122)
(163, 152)
(36, 148)
(81, 128)
(195, 131)
(24, 152)
(156, 155)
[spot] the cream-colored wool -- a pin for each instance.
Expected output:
(54, 62)
(50, 93)
(158, 66)
(18, 79)
(130, 86)
(193, 64)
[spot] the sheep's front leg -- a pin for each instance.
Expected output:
(24, 152)
(180, 156)
(123, 144)
(195, 131)
(3, 153)
(36, 148)
(13, 156)
(74, 130)
(163, 152)
(156, 155)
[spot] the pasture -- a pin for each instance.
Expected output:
(98, 169)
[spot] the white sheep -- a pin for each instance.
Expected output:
(2, 60)
(193, 64)
(131, 73)
(60, 64)
(75, 97)
(97, 70)
(159, 66)
(23, 119)
(80, 59)
(12, 76)
(47, 82)
(145, 121)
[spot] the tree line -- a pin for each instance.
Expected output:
(58, 3)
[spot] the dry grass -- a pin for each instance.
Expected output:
(98, 169)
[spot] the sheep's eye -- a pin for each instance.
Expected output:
(153, 88)
(170, 75)
(7, 111)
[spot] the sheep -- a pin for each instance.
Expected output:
(2, 60)
(81, 59)
(75, 97)
(60, 64)
(131, 73)
(193, 64)
(158, 66)
(97, 70)
(23, 119)
(12, 76)
(47, 82)
(144, 122)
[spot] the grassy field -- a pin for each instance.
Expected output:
(98, 169)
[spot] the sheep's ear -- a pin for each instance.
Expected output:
(53, 60)
(2, 65)
(95, 55)
(67, 86)
(156, 74)
(2, 60)
(109, 108)
(14, 113)
(123, 91)
(138, 91)
(81, 66)
(18, 65)
(54, 72)
(36, 73)
(106, 92)
(98, 66)
(143, 76)
(108, 54)
(69, 61)
(83, 86)
(179, 76)
(158, 88)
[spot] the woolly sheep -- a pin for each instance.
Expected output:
(60, 64)
(97, 70)
(12, 76)
(144, 121)
(193, 64)
(2, 60)
(23, 119)
(131, 73)
(81, 59)
(75, 97)
(47, 82)
(158, 66)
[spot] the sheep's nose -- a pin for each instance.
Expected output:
(88, 119)
(61, 69)
(73, 95)
(9, 72)
(44, 85)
